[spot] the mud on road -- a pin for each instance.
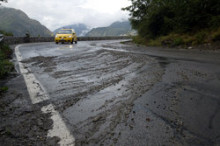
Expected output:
(108, 93)
(22, 123)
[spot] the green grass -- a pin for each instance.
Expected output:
(216, 35)
(175, 39)
(6, 33)
(5, 68)
(139, 40)
(5, 65)
(3, 89)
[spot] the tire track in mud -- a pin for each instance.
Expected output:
(100, 93)
(38, 94)
(116, 110)
(118, 78)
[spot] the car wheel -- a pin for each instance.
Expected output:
(56, 42)
(75, 42)
(72, 42)
(62, 42)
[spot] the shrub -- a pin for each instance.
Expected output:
(200, 37)
(139, 40)
(5, 65)
(177, 41)
(6, 33)
(154, 42)
(186, 39)
(3, 89)
(5, 68)
(216, 35)
(5, 51)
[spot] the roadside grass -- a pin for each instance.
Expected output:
(3, 89)
(139, 40)
(5, 65)
(6, 33)
(185, 40)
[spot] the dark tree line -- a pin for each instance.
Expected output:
(152, 18)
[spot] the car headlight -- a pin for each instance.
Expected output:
(56, 36)
(70, 36)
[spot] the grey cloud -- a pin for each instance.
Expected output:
(57, 13)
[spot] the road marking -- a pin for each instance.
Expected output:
(38, 94)
(35, 89)
(59, 128)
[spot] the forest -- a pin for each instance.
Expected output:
(188, 21)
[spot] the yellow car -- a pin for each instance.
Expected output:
(66, 35)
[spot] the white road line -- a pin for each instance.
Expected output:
(59, 128)
(35, 89)
(38, 94)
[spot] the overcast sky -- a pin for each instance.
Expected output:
(57, 13)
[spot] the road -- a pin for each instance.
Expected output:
(109, 93)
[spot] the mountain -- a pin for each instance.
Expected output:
(18, 23)
(80, 29)
(115, 29)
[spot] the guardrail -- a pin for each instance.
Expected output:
(19, 40)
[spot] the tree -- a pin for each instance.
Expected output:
(152, 18)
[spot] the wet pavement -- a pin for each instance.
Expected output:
(109, 93)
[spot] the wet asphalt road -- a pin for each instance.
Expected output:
(109, 93)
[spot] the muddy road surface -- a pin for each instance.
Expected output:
(109, 93)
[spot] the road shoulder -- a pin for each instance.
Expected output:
(21, 122)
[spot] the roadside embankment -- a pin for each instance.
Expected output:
(204, 39)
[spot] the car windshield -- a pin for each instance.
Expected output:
(65, 32)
